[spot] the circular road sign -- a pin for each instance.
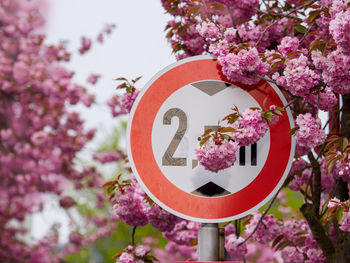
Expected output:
(168, 116)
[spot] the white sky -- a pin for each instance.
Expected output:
(136, 47)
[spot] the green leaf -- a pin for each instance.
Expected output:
(292, 131)
(218, 6)
(291, 55)
(121, 79)
(204, 140)
(283, 244)
(339, 213)
(194, 10)
(300, 241)
(268, 115)
(344, 143)
(121, 86)
(313, 15)
(277, 240)
(300, 29)
(207, 132)
(228, 129)
(137, 79)
(275, 65)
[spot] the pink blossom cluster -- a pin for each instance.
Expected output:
(128, 99)
(310, 133)
(108, 156)
(107, 30)
(339, 27)
(161, 219)
(288, 45)
(184, 233)
(240, 67)
(266, 231)
(335, 68)
(93, 78)
(40, 134)
(241, 9)
(250, 126)
(325, 100)
(345, 221)
(85, 45)
(122, 104)
(301, 176)
(178, 252)
(342, 168)
(133, 254)
(307, 251)
(186, 39)
(217, 156)
(131, 206)
(234, 248)
(297, 76)
(263, 35)
(208, 30)
(219, 48)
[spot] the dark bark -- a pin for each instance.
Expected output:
(317, 188)
(318, 232)
(341, 192)
(340, 251)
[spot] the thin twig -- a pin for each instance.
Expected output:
(234, 23)
(290, 103)
(282, 16)
(261, 218)
(133, 236)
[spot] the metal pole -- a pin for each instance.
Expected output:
(208, 242)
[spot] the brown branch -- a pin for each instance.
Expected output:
(234, 23)
(317, 188)
(282, 16)
(318, 232)
(133, 236)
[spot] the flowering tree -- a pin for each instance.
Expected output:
(40, 136)
(303, 48)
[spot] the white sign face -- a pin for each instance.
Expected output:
(194, 109)
(167, 119)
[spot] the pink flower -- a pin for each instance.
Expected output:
(109, 156)
(240, 67)
(161, 219)
(267, 231)
(93, 78)
(215, 157)
(208, 30)
(251, 127)
(233, 247)
(85, 45)
(310, 133)
(340, 30)
(297, 77)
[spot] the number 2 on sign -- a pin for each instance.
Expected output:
(168, 159)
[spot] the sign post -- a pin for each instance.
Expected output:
(168, 116)
(208, 242)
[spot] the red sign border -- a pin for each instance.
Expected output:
(172, 198)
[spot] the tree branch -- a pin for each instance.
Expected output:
(317, 188)
(133, 236)
(318, 232)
